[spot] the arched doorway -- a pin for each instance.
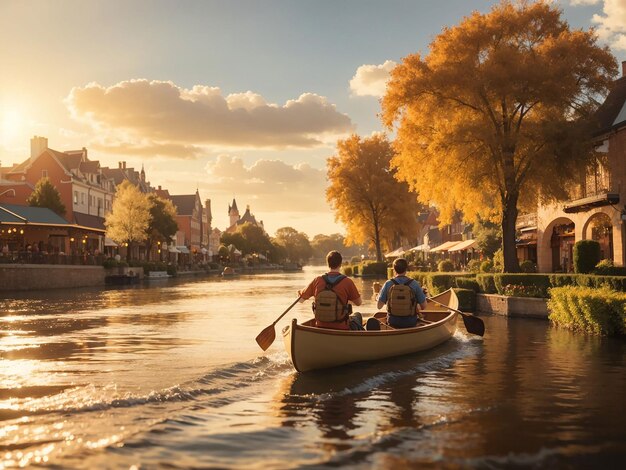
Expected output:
(562, 245)
(600, 229)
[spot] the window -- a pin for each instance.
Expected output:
(75, 198)
(82, 198)
(44, 173)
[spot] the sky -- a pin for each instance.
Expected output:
(239, 99)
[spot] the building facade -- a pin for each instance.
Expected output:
(596, 209)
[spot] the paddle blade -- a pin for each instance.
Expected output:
(473, 324)
(266, 337)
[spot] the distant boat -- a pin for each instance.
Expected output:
(229, 272)
(292, 267)
(311, 348)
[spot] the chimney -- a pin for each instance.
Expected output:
(38, 145)
(159, 187)
(119, 165)
(124, 165)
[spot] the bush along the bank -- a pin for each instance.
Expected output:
(486, 283)
(373, 268)
(595, 311)
(527, 285)
(586, 256)
(467, 283)
(467, 299)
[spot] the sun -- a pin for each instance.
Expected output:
(10, 125)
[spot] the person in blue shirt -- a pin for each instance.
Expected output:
(400, 267)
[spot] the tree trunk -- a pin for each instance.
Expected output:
(128, 252)
(509, 219)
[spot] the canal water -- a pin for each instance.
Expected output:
(168, 375)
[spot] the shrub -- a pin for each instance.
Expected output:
(355, 269)
(347, 270)
(531, 283)
(561, 280)
(498, 261)
(373, 268)
(586, 255)
(513, 290)
(438, 283)
(467, 299)
(474, 265)
(527, 266)
(171, 270)
(596, 311)
(486, 266)
(355, 260)
(467, 283)
(486, 283)
(604, 267)
(445, 266)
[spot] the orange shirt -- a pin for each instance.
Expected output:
(345, 290)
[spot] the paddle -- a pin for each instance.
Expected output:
(268, 335)
(473, 324)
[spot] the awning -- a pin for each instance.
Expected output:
(172, 249)
(464, 245)
(109, 242)
(183, 249)
(444, 246)
(395, 253)
(422, 247)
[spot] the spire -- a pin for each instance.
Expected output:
(143, 174)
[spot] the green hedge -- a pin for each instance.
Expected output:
(373, 268)
(467, 299)
(586, 256)
(486, 283)
(348, 270)
(597, 311)
(467, 283)
(534, 285)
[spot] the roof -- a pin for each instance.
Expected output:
(89, 221)
(445, 246)
(184, 203)
(612, 113)
(12, 213)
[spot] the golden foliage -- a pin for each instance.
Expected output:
(129, 216)
(373, 205)
(491, 116)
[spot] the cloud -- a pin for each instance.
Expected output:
(140, 114)
(371, 80)
(272, 183)
(612, 22)
(584, 2)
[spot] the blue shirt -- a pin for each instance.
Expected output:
(413, 285)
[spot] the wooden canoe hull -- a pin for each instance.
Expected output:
(311, 348)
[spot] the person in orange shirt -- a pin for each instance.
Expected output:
(345, 290)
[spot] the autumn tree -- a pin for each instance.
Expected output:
(129, 217)
(46, 195)
(162, 225)
(296, 244)
(373, 205)
(496, 114)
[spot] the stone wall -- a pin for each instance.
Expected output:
(14, 277)
(512, 306)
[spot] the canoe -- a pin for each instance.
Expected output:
(311, 348)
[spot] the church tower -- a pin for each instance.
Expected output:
(233, 213)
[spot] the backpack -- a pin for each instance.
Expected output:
(327, 306)
(402, 300)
